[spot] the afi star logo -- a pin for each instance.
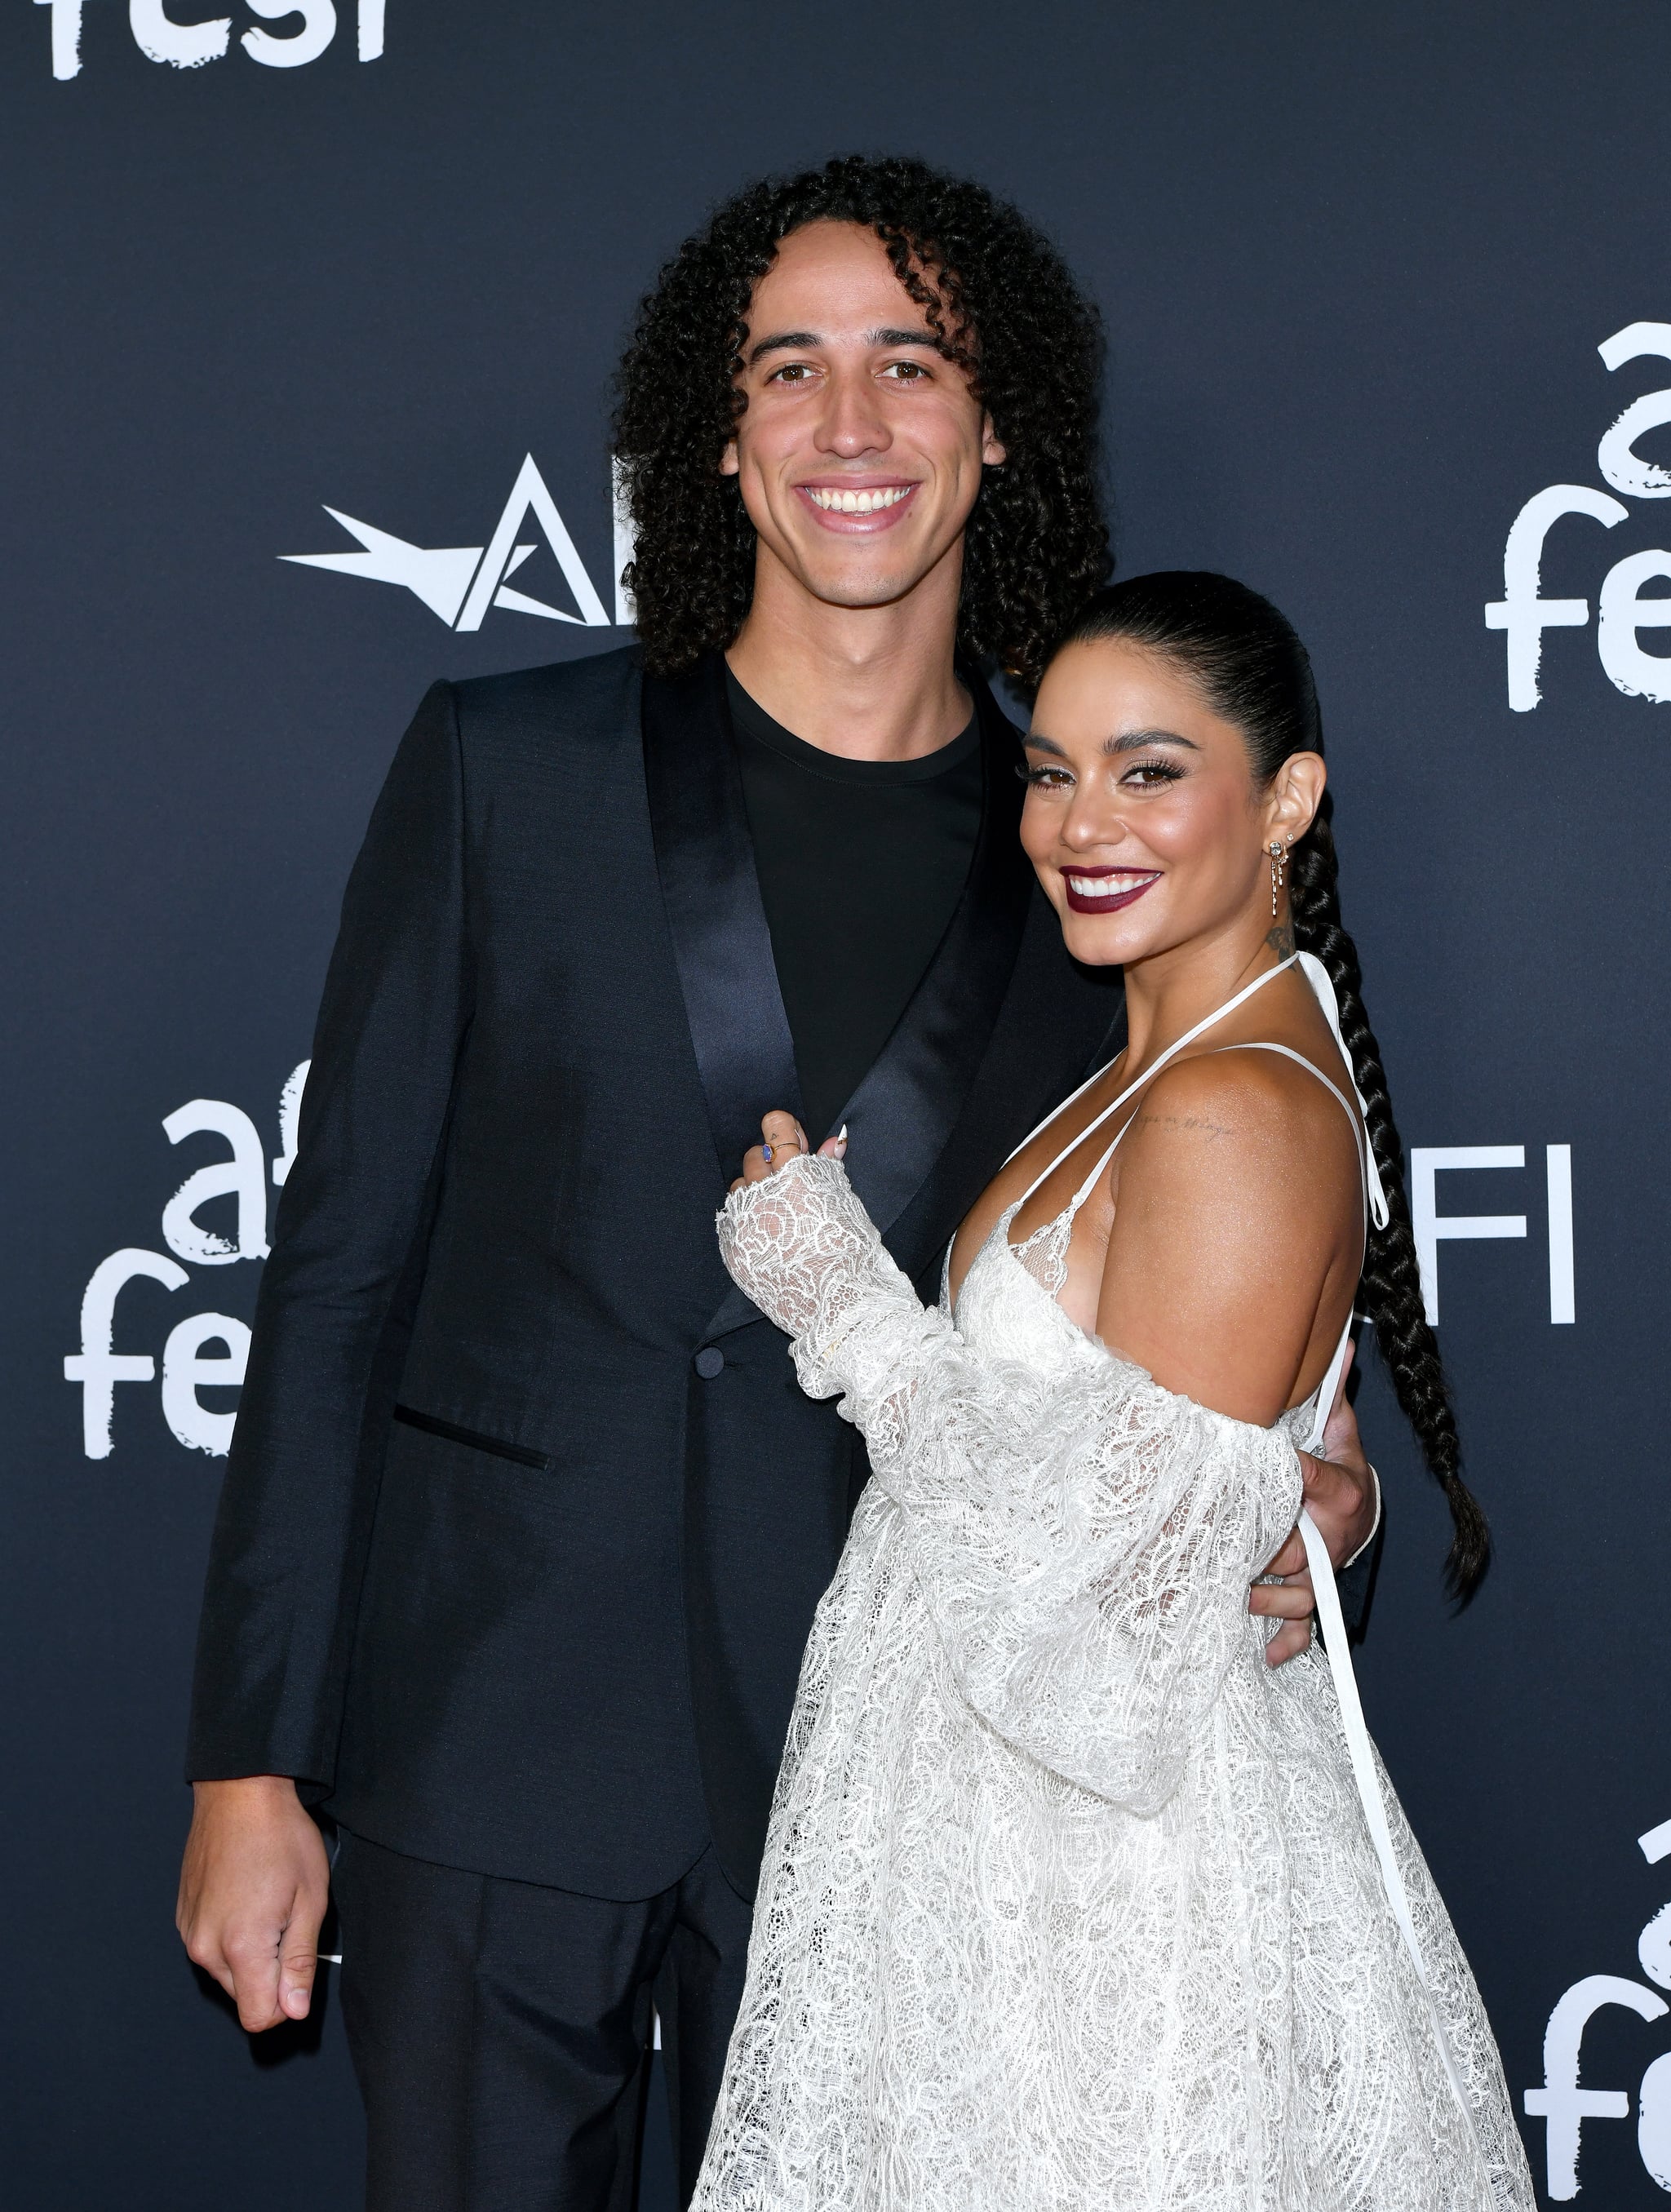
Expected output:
(459, 583)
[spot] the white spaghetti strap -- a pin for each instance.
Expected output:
(1264, 1044)
(1323, 987)
(1330, 1381)
(1333, 1627)
(1114, 1104)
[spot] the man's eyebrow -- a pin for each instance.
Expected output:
(785, 341)
(806, 341)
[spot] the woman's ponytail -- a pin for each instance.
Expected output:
(1391, 1290)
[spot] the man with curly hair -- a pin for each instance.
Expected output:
(527, 1518)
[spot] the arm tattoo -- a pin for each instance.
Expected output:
(1213, 1130)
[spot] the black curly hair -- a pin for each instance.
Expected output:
(1253, 671)
(1001, 305)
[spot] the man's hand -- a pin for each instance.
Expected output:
(252, 1892)
(1340, 1496)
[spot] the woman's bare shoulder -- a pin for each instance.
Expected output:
(1238, 1202)
(1242, 1112)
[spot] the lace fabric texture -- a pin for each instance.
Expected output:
(1067, 1900)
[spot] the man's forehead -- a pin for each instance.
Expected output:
(834, 272)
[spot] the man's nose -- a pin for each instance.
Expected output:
(853, 422)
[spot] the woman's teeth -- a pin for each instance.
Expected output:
(858, 502)
(1109, 886)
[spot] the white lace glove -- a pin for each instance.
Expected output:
(801, 1246)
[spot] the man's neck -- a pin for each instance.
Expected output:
(873, 683)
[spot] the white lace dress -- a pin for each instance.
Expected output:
(1068, 1901)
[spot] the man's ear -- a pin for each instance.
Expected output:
(728, 461)
(993, 453)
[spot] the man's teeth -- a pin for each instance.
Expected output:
(858, 502)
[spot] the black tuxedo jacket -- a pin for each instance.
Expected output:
(525, 1517)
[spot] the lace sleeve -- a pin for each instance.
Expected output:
(1084, 1542)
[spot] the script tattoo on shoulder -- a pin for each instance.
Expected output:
(1281, 939)
(1196, 1123)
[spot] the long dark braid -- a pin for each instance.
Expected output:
(1390, 1288)
(1255, 673)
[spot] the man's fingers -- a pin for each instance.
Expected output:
(1290, 1640)
(254, 1959)
(298, 1957)
(1289, 1599)
(1285, 1601)
(1290, 1560)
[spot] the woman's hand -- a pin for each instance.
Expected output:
(785, 1141)
(800, 1245)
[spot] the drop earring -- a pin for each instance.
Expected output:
(1278, 872)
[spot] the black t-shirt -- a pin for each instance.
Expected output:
(861, 864)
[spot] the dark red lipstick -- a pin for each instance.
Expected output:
(1124, 884)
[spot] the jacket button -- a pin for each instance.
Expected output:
(709, 1362)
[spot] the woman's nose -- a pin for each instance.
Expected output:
(1091, 822)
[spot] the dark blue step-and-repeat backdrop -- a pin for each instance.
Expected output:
(309, 318)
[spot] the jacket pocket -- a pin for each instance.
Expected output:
(432, 1426)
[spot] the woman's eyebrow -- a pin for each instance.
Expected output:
(1132, 741)
(1129, 741)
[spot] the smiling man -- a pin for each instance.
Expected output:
(526, 1517)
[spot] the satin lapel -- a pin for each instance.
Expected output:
(722, 946)
(899, 1118)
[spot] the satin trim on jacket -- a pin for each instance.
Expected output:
(907, 1105)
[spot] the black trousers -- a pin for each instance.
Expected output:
(501, 2030)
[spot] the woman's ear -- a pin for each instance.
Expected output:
(729, 464)
(1295, 795)
(993, 453)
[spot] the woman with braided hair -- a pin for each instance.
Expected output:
(1071, 1899)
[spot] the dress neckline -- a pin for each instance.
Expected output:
(1311, 1409)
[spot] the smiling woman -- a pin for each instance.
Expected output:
(1071, 1897)
(1175, 766)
